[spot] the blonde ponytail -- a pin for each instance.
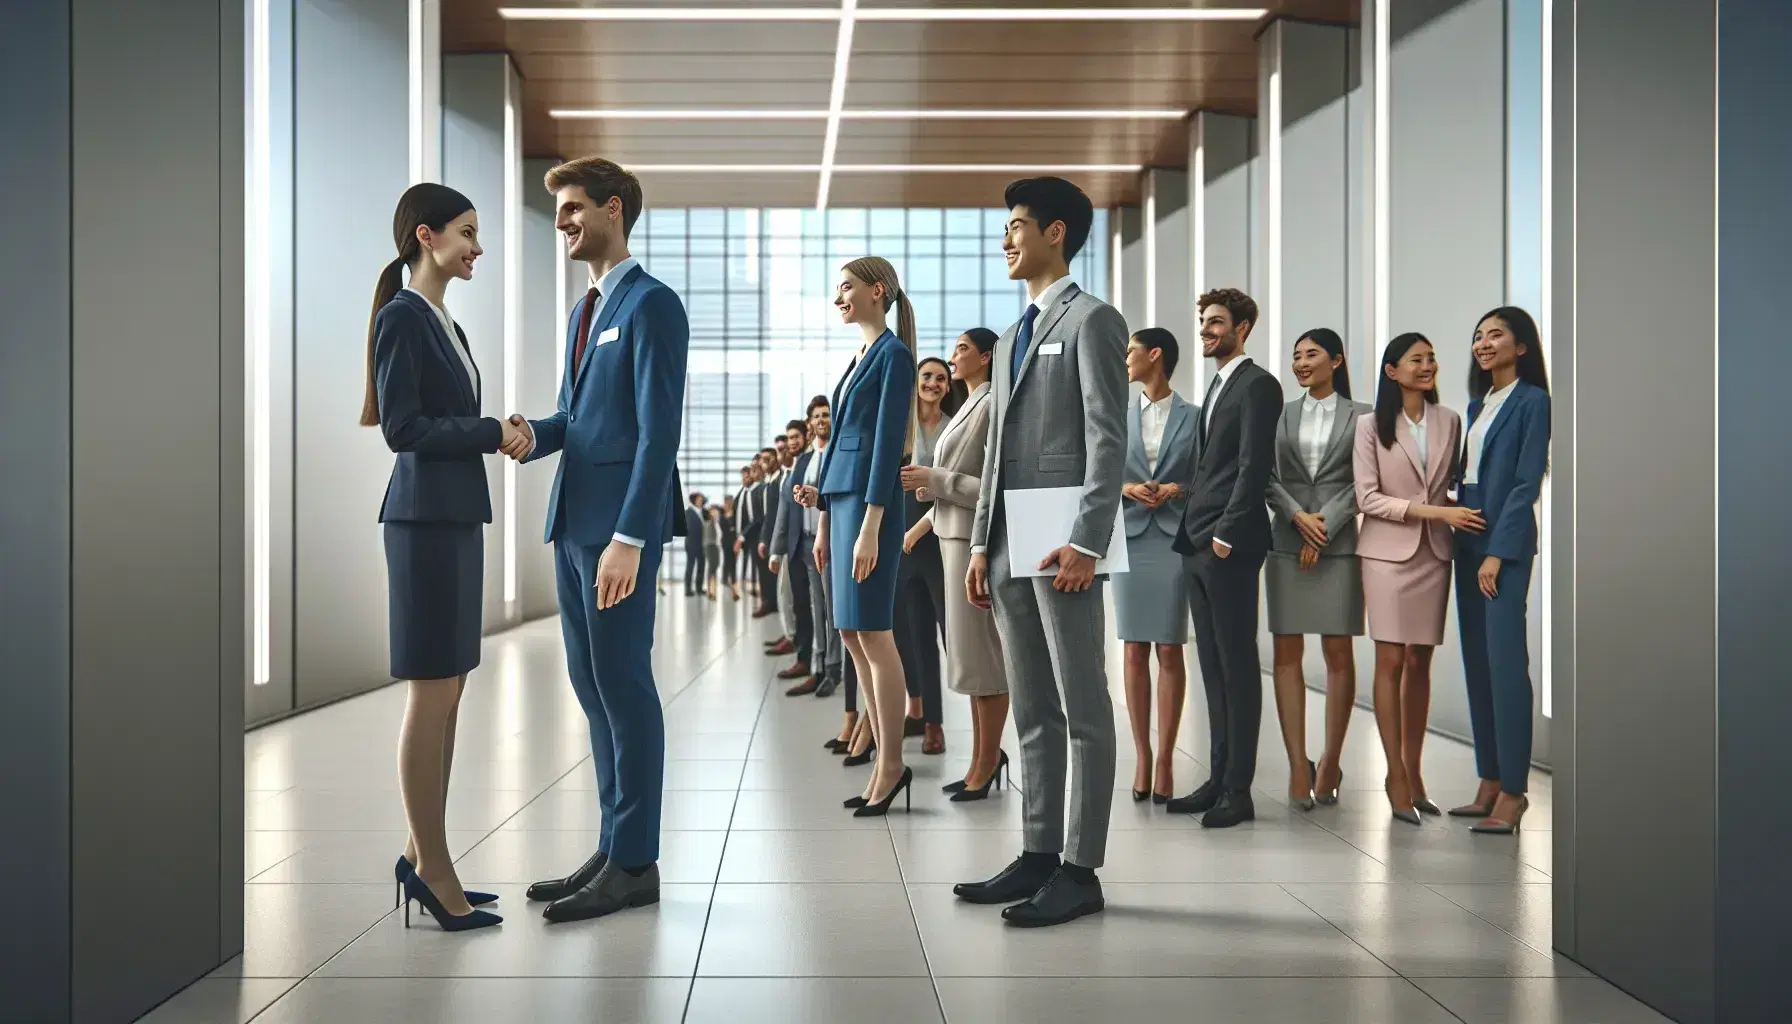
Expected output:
(877, 270)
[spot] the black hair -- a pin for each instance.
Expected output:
(425, 204)
(1328, 339)
(955, 392)
(1389, 396)
(984, 338)
(800, 426)
(1051, 201)
(1530, 361)
(818, 402)
(1161, 340)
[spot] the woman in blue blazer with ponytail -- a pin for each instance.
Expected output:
(1506, 456)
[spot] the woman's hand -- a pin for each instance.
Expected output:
(821, 544)
(1144, 494)
(864, 550)
(913, 477)
(915, 533)
(1312, 528)
(1309, 556)
(1166, 492)
(1489, 577)
(1459, 518)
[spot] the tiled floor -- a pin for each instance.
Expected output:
(779, 907)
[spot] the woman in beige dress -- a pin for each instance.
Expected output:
(973, 648)
(1405, 461)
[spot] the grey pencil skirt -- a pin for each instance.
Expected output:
(1326, 600)
(1151, 599)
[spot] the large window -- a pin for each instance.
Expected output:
(765, 338)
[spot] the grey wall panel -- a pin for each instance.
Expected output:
(473, 143)
(1229, 237)
(1129, 263)
(1753, 715)
(157, 502)
(351, 158)
(1645, 649)
(1173, 275)
(1564, 466)
(35, 290)
(1315, 188)
(544, 264)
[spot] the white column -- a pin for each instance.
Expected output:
(1169, 280)
(425, 89)
(1223, 174)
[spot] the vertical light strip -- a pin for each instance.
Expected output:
(1546, 319)
(1273, 200)
(1197, 195)
(513, 313)
(415, 66)
(1117, 260)
(1381, 74)
(425, 39)
(1150, 213)
(259, 332)
(836, 101)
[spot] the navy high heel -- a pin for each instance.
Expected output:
(414, 889)
(405, 868)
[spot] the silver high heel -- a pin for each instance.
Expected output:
(1306, 803)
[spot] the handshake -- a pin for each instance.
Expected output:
(518, 438)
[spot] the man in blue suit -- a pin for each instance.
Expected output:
(615, 502)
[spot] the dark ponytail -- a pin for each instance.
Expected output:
(425, 204)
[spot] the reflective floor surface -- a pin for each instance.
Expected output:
(779, 907)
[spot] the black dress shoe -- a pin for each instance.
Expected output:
(1062, 900)
(1018, 881)
(613, 889)
(826, 687)
(1200, 801)
(1233, 809)
(560, 888)
(913, 727)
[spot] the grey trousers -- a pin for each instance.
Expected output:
(828, 650)
(786, 603)
(1055, 645)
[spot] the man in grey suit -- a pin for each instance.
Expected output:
(1057, 419)
(789, 534)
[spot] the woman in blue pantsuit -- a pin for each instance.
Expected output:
(859, 538)
(1507, 454)
(423, 393)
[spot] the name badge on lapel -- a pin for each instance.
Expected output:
(1056, 348)
(608, 336)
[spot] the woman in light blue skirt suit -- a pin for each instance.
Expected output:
(1151, 599)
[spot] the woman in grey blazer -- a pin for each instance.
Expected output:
(1314, 584)
(1151, 598)
(973, 647)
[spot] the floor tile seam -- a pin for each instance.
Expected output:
(328, 961)
(1521, 940)
(251, 880)
(734, 807)
(287, 991)
(1340, 930)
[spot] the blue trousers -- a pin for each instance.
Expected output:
(1497, 663)
(609, 656)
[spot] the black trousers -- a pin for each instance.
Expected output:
(920, 626)
(768, 580)
(1223, 603)
(799, 595)
(693, 567)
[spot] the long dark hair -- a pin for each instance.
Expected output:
(425, 204)
(1328, 339)
(1390, 399)
(954, 396)
(985, 340)
(1530, 361)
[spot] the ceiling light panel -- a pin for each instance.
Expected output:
(910, 14)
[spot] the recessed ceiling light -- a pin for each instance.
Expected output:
(694, 114)
(724, 14)
(884, 168)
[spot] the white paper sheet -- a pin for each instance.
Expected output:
(1039, 522)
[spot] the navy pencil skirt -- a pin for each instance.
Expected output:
(870, 605)
(435, 585)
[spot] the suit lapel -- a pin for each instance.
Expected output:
(1137, 467)
(445, 347)
(1409, 444)
(1042, 329)
(612, 308)
(1173, 427)
(1502, 416)
(478, 382)
(1343, 426)
(1290, 439)
(1442, 448)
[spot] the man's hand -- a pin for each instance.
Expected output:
(762, 549)
(1076, 571)
(772, 564)
(738, 542)
(976, 581)
(806, 496)
(617, 568)
(913, 477)
(518, 439)
(1222, 550)
(1311, 526)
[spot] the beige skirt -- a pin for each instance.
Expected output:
(1407, 600)
(973, 647)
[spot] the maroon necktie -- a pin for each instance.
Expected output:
(578, 352)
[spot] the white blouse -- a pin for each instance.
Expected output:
(1419, 439)
(1154, 417)
(1316, 419)
(466, 358)
(1477, 434)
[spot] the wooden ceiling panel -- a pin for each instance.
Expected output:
(697, 142)
(987, 142)
(962, 190)
(1227, 95)
(791, 191)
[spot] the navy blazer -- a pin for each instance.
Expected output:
(1514, 457)
(619, 419)
(429, 414)
(871, 416)
(1175, 465)
(790, 530)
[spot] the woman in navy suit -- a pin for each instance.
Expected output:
(1506, 456)
(423, 393)
(860, 495)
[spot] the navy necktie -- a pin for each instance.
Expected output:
(1023, 340)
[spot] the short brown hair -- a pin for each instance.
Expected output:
(601, 179)
(1242, 307)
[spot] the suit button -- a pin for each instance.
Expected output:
(570, 417)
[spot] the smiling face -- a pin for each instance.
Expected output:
(1142, 364)
(1221, 338)
(1495, 347)
(1313, 365)
(821, 422)
(1417, 369)
(1029, 246)
(794, 441)
(768, 463)
(454, 248)
(933, 381)
(591, 228)
(857, 300)
(968, 362)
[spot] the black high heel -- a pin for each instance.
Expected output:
(415, 889)
(882, 807)
(404, 868)
(855, 760)
(853, 803)
(953, 787)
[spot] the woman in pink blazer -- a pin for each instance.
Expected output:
(1406, 454)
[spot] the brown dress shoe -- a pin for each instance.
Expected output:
(935, 742)
(796, 671)
(804, 688)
